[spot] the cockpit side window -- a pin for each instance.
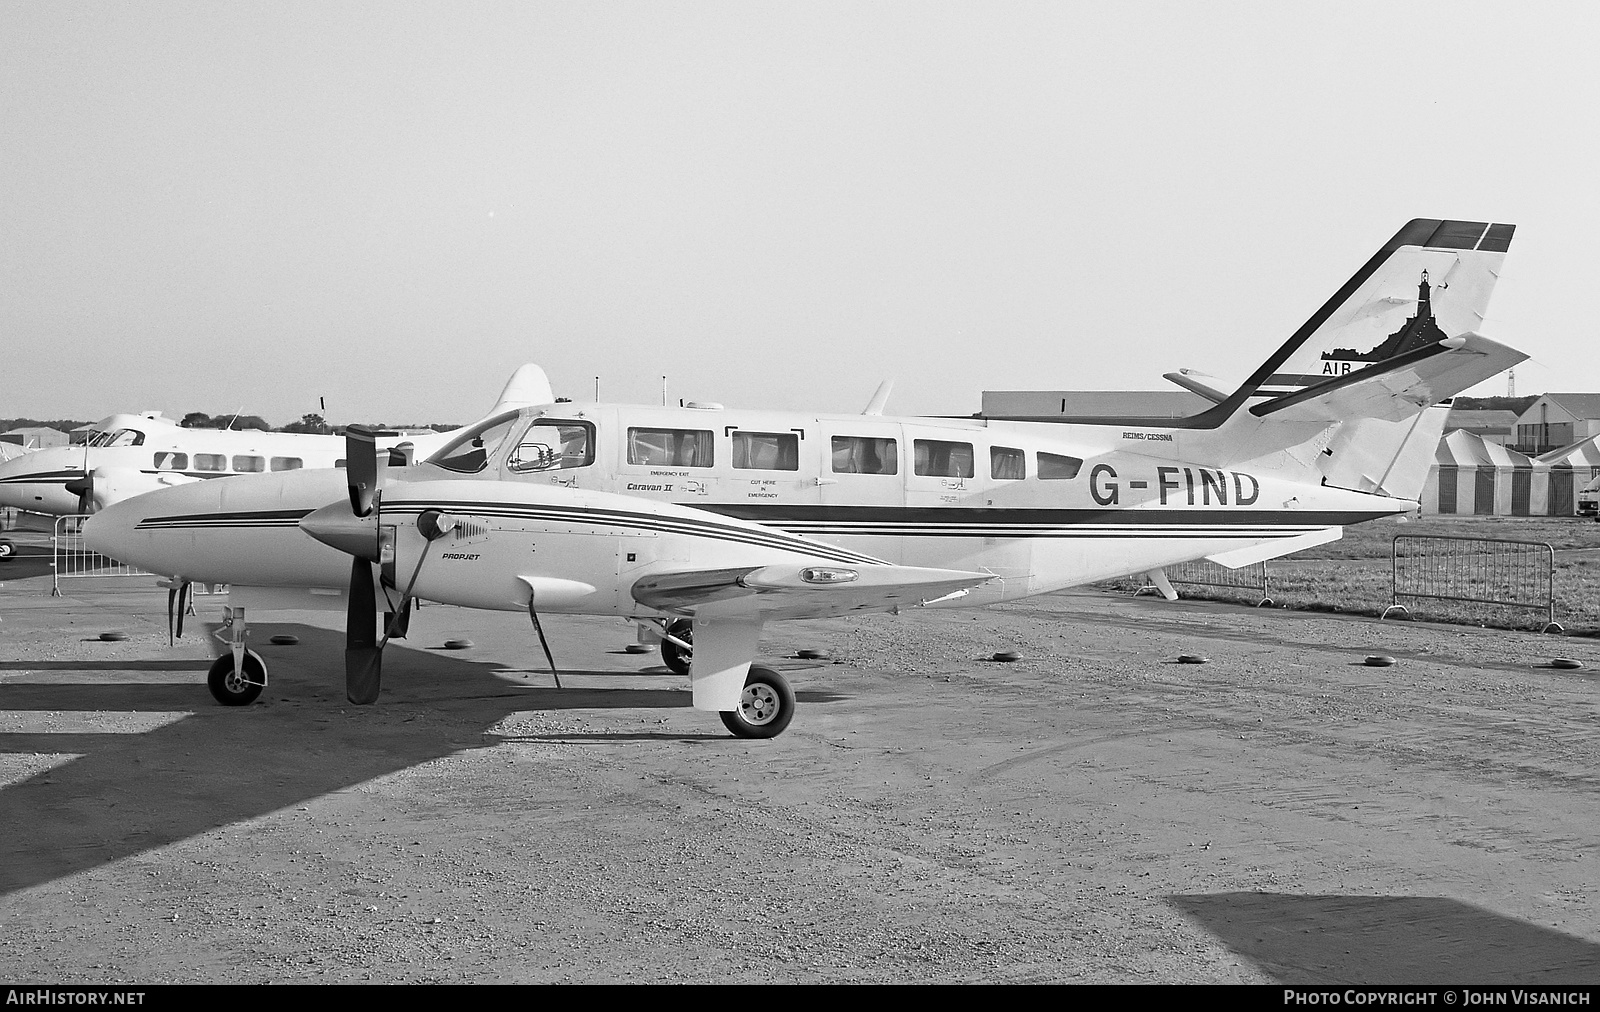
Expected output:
(471, 451)
(551, 444)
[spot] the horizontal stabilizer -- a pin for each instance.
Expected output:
(1186, 378)
(1398, 387)
(799, 591)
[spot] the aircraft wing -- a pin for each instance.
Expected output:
(799, 591)
(1399, 387)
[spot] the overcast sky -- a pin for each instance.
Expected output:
(215, 206)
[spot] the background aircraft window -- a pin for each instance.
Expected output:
(168, 460)
(121, 437)
(767, 451)
(210, 462)
(1055, 465)
(552, 446)
(1007, 463)
(941, 459)
(671, 447)
(470, 451)
(287, 463)
(865, 455)
(247, 464)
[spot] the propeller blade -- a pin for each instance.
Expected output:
(83, 488)
(361, 467)
(172, 595)
(183, 605)
(363, 658)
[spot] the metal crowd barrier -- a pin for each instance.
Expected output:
(1488, 571)
(72, 560)
(1251, 581)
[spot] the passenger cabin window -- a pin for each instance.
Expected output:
(169, 460)
(1054, 466)
(287, 463)
(210, 462)
(865, 455)
(671, 447)
(766, 451)
(553, 446)
(470, 451)
(942, 459)
(246, 464)
(1007, 463)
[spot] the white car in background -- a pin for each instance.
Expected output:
(1589, 500)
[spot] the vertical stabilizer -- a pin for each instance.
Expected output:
(527, 387)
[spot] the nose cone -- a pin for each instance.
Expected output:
(110, 532)
(338, 527)
(33, 481)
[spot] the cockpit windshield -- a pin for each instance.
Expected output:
(119, 437)
(473, 448)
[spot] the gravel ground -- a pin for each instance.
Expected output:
(1093, 812)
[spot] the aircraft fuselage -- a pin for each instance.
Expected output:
(1040, 506)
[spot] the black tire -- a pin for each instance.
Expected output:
(674, 656)
(7, 549)
(766, 707)
(230, 690)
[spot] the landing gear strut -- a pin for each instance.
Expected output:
(676, 656)
(238, 676)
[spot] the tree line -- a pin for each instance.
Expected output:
(311, 423)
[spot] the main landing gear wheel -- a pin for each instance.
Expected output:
(229, 687)
(765, 708)
(674, 656)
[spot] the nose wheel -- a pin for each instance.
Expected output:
(232, 687)
(765, 707)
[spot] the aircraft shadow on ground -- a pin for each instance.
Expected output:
(177, 664)
(25, 565)
(1389, 939)
(215, 766)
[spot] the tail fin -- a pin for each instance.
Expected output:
(1423, 289)
(527, 387)
(1431, 281)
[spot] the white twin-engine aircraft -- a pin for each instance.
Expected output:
(131, 454)
(727, 519)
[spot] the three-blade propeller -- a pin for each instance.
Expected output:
(356, 528)
(363, 657)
